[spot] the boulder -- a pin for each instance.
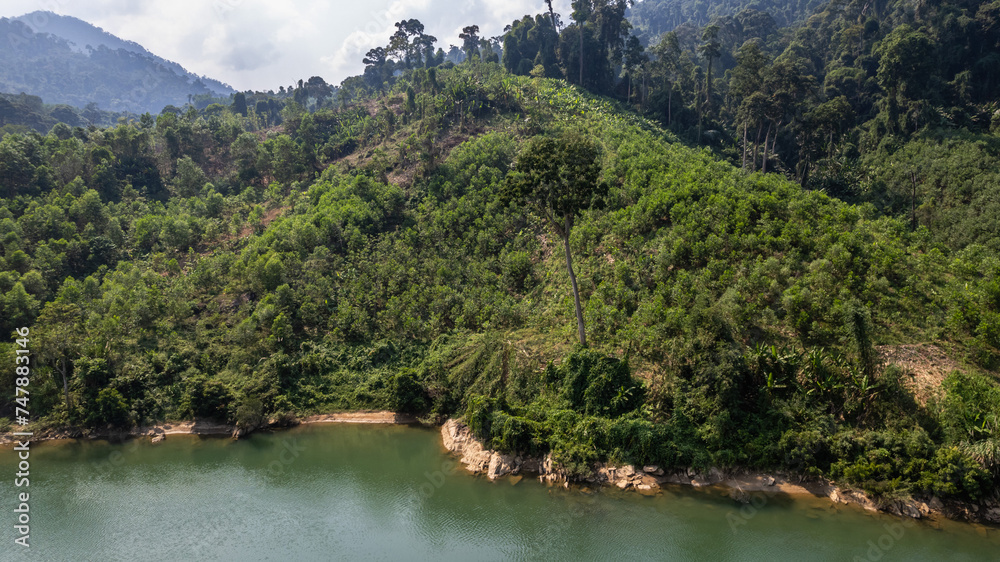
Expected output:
(500, 465)
(992, 515)
(739, 495)
(904, 509)
(646, 490)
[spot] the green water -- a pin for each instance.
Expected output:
(359, 492)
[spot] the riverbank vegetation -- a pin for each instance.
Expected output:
(369, 254)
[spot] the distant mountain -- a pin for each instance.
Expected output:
(69, 61)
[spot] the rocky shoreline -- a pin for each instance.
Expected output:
(648, 480)
(457, 438)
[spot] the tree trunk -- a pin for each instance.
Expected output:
(763, 163)
(576, 289)
(756, 148)
(61, 367)
(670, 106)
(774, 139)
(744, 166)
(581, 54)
(708, 89)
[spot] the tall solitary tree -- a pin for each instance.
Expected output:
(560, 177)
(711, 49)
(470, 40)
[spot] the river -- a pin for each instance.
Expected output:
(368, 492)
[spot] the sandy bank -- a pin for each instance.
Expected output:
(159, 432)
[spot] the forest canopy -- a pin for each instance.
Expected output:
(769, 220)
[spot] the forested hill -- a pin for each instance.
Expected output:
(408, 244)
(84, 37)
(65, 60)
(652, 18)
(888, 102)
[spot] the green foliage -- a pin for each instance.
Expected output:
(595, 384)
(249, 414)
(365, 257)
(109, 409)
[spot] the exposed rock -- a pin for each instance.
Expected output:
(904, 509)
(992, 515)
(500, 465)
(454, 436)
(458, 439)
(157, 437)
(646, 490)
(739, 495)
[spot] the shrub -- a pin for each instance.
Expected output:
(109, 409)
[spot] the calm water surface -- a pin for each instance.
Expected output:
(363, 492)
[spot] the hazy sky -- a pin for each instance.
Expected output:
(263, 44)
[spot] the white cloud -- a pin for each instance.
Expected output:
(262, 44)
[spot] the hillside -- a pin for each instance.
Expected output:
(74, 63)
(84, 37)
(373, 257)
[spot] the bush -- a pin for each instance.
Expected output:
(596, 384)
(407, 395)
(109, 409)
(249, 414)
(953, 473)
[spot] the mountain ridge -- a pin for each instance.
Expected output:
(107, 71)
(83, 34)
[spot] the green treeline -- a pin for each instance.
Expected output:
(394, 248)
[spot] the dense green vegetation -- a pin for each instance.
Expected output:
(396, 248)
(23, 113)
(857, 99)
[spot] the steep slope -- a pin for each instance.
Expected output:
(368, 257)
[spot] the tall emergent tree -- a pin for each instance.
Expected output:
(560, 177)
